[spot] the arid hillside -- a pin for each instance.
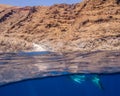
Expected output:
(86, 26)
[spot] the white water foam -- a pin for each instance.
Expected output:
(38, 47)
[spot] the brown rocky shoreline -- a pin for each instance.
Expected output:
(76, 30)
(87, 26)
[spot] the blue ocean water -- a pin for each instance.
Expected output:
(63, 86)
(58, 86)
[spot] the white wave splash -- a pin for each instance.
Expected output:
(38, 47)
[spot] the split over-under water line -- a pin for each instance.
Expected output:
(29, 65)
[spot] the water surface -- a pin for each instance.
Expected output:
(57, 64)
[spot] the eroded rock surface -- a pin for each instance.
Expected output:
(89, 25)
(71, 31)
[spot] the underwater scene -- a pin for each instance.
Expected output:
(72, 85)
(54, 83)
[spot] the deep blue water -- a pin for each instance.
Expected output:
(63, 86)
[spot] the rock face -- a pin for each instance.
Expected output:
(89, 25)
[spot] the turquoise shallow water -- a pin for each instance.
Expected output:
(63, 86)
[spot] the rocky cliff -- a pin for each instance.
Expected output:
(89, 25)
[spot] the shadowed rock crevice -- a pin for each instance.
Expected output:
(2, 19)
(118, 1)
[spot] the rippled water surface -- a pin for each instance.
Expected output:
(54, 86)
